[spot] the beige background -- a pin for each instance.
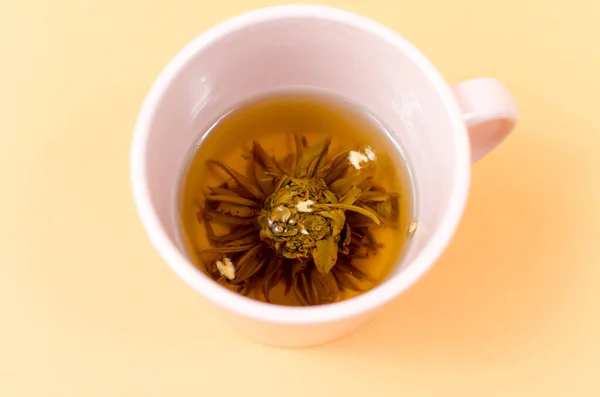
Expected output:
(87, 308)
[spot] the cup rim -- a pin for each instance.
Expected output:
(206, 287)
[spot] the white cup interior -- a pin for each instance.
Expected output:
(303, 46)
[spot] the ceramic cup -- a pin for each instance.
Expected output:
(441, 128)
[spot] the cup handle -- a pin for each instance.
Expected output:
(489, 111)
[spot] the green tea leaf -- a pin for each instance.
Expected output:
(245, 289)
(317, 225)
(320, 164)
(229, 219)
(240, 179)
(253, 238)
(248, 255)
(395, 206)
(287, 164)
(384, 208)
(330, 198)
(208, 229)
(363, 211)
(235, 210)
(374, 196)
(226, 250)
(226, 238)
(338, 220)
(307, 164)
(297, 269)
(200, 215)
(220, 191)
(272, 276)
(240, 191)
(357, 220)
(351, 196)
(265, 182)
(343, 185)
(249, 265)
(366, 184)
(331, 284)
(325, 255)
(281, 182)
(345, 282)
(305, 288)
(263, 158)
(299, 152)
(232, 199)
(300, 292)
(335, 169)
(367, 237)
(352, 270)
(321, 289)
(346, 235)
(288, 275)
(312, 291)
(385, 221)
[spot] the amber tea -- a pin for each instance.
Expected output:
(297, 198)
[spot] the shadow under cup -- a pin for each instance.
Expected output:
(348, 55)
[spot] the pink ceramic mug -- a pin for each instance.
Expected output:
(442, 129)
